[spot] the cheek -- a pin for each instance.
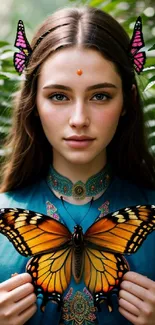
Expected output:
(108, 119)
(50, 125)
(50, 118)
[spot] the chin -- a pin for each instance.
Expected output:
(80, 159)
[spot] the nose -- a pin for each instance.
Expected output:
(80, 116)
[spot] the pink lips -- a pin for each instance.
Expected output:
(79, 141)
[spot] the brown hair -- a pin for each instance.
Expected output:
(30, 156)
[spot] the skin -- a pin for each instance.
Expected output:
(17, 300)
(78, 111)
(137, 299)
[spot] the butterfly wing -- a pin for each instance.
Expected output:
(49, 241)
(121, 232)
(139, 61)
(32, 233)
(21, 59)
(137, 42)
(51, 274)
(103, 273)
(106, 268)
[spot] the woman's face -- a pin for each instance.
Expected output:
(79, 113)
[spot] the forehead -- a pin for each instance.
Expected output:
(64, 64)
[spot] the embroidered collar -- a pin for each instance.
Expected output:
(79, 190)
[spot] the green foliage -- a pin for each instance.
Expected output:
(152, 48)
(8, 85)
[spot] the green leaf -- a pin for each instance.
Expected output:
(3, 77)
(149, 68)
(6, 55)
(150, 84)
(152, 48)
(110, 6)
(3, 43)
(95, 3)
(10, 76)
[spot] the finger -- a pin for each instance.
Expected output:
(24, 304)
(138, 279)
(26, 315)
(125, 295)
(136, 290)
(133, 319)
(129, 307)
(15, 282)
(18, 308)
(20, 292)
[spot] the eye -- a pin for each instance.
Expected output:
(58, 97)
(101, 96)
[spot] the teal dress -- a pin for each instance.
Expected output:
(78, 307)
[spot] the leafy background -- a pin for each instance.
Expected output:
(125, 12)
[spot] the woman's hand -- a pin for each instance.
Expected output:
(137, 299)
(17, 300)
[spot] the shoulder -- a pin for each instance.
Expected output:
(21, 198)
(145, 194)
(150, 195)
(127, 191)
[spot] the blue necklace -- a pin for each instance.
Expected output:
(79, 190)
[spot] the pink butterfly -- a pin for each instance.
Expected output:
(21, 58)
(137, 42)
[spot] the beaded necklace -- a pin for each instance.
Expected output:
(90, 205)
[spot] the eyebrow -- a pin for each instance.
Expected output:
(97, 86)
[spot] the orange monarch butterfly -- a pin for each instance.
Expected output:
(59, 254)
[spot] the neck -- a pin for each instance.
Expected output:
(76, 172)
(79, 190)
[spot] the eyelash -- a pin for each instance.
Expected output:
(61, 94)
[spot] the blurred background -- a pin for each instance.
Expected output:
(33, 12)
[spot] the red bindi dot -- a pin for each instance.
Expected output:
(79, 72)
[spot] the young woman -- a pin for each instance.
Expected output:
(78, 153)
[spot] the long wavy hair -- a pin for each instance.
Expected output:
(29, 156)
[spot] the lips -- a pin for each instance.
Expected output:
(79, 142)
(79, 138)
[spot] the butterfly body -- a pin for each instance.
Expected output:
(96, 256)
(78, 255)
